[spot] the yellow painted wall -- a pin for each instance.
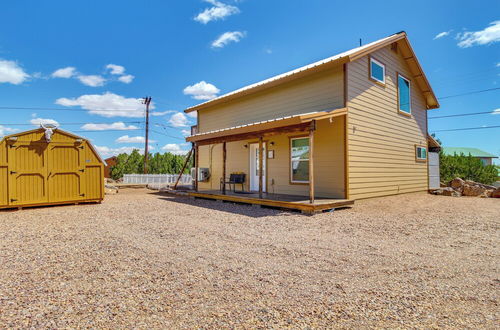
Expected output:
(35, 172)
(328, 162)
(318, 92)
(381, 141)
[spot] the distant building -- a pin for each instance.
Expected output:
(485, 157)
(110, 162)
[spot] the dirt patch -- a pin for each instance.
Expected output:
(143, 259)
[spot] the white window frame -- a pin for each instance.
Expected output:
(383, 70)
(399, 94)
(417, 153)
(301, 160)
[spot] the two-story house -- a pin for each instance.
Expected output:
(348, 127)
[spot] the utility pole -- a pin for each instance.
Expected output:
(146, 101)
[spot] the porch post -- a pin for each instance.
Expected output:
(196, 160)
(260, 167)
(224, 167)
(311, 161)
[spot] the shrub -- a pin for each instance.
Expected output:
(467, 168)
(166, 163)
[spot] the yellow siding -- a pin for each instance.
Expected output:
(34, 172)
(322, 91)
(3, 174)
(381, 142)
(328, 162)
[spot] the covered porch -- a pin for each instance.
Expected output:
(295, 162)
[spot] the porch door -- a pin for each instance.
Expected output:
(254, 167)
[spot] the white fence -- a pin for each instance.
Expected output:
(157, 178)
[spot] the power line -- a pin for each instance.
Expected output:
(467, 128)
(108, 130)
(468, 93)
(171, 136)
(464, 114)
(125, 122)
(63, 109)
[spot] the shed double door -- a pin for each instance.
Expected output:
(45, 173)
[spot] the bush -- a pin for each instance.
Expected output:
(467, 168)
(166, 163)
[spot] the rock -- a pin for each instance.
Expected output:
(457, 184)
(495, 193)
(448, 191)
(109, 180)
(110, 189)
(473, 189)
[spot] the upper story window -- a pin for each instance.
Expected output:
(404, 97)
(377, 71)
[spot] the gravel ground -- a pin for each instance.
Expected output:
(148, 260)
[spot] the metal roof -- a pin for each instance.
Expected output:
(346, 56)
(474, 152)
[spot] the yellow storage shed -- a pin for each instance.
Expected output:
(49, 166)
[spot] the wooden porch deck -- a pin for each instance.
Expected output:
(293, 202)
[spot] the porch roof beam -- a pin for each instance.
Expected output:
(257, 134)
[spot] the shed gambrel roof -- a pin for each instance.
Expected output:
(58, 130)
(351, 55)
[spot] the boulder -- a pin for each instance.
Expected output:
(448, 191)
(495, 193)
(473, 190)
(457, 184)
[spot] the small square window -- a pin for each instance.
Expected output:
(404, 97)
(421, 153)
(377, 71)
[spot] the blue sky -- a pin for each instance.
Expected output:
(57, 54)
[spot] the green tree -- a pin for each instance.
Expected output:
(158, 163)
(467, 168)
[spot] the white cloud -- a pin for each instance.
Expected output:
(202, 91)
(127, 79)
(174, 149)
(489, 35)
(66, 72)
(192, 114)
(44, 121)
(7, 130)
(107, 105)
(114, 126)
(496, 112)
(115, 69)
(227, 37)
(12, 73)
(106, 152)
(161, 113)
(92, 80)
(218, 11)
(498, 65)
(186, 132)
(132, 139)
(442, 34)
(178, 120)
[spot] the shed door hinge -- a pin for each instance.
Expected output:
(83, 170)
(83, 195)
(13, 172)
(13, 200)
